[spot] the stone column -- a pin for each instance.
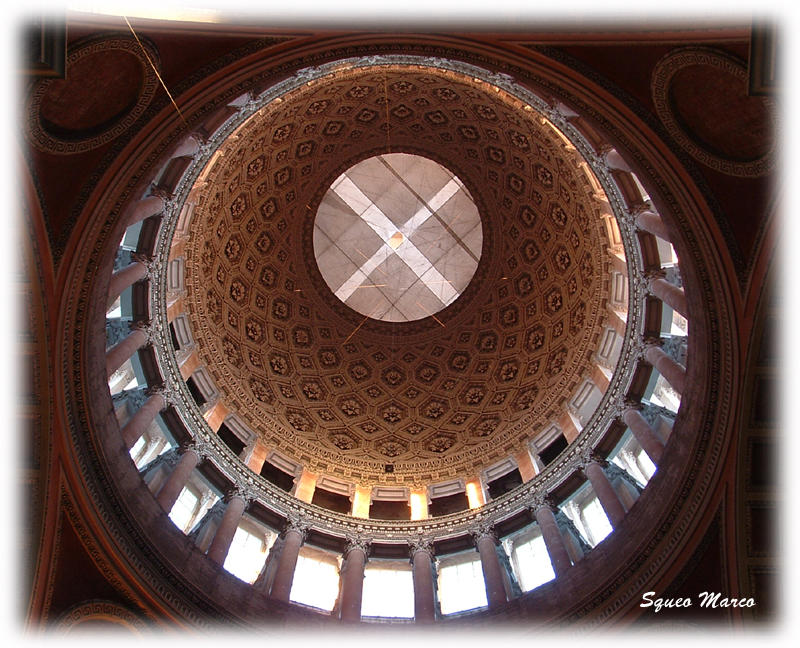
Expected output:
(145, 208)
(421, 562)
(671, 295)
(120, 352)
(485, 541)
(605, 492)
(646, 436)
(553, 539)
(221, 543)
(121, 279)
(652, 223)
(142, 419)
(673, 372)
(169, 492)
(614, 161)
(352, 583)
(293, 536)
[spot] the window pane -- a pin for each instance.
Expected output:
(596, 521)
(461, 586)
(388, 593)
(181, 512)
(533, 563)
(315, 583)
(247, 555)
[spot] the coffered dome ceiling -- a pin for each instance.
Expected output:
(438, 397)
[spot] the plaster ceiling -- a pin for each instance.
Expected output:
(437, 397)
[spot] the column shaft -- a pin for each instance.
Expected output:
(553, 540)
(145, 208)
(352, 585)
(284, 574)
(424, 608)
(672, 296)
(124, 349)
(492, 572)
(605, 492)
(650, 222)
(168, 494)
(673, 372)
(221, 543)
(142, 419)
(646, 436)
(121, 279)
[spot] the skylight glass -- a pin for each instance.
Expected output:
(397, 237)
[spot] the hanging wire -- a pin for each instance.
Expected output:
(163, 85)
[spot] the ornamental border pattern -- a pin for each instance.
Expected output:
(45, 141)
(663, 72)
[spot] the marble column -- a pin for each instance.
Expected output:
(142, 419)
(605, 492)
(671, 295)
(124, 278)
(169, 492)
(485, 541)
(673, 372)
(145, 208)
(221, 543)
(422, 571)
(123, 350)
(647, 437)
(553, 539)
(293, 537)
(352, 583)
(652, 223)
(615, 161)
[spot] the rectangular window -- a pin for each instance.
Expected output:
(461, 585)
(531, 562)
(248, 551)
(316, 579)
(388, 590)
(183, 510)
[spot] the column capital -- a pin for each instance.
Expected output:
(591, 456)
(543, 500)
(356, 542)
(163, 391)
(159, 192)
(232, 493)
(297, 524)
(420, 543)
(146, 328)
(640, 208)
(483, 529)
